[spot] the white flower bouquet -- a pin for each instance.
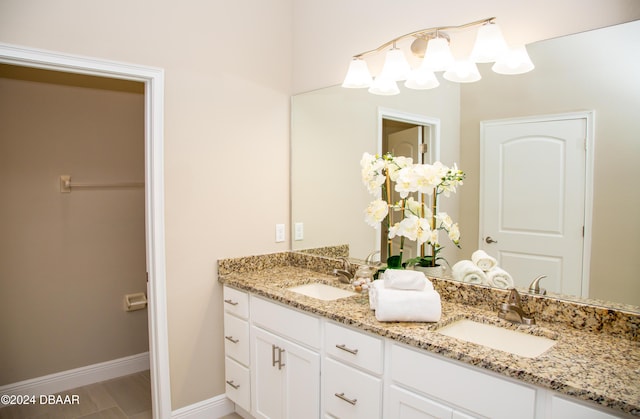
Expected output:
(415, 220)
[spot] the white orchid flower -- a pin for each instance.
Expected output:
(376, 212)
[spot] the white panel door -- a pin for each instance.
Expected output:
(532, 199)
(404, 143)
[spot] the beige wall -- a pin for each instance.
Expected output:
(584, 83)
(66, 260)
(227, 87)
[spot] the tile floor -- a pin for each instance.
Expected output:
(127, 397)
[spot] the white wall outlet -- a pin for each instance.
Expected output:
(279, 233)
(298, 231)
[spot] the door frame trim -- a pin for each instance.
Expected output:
(153, 78)
(589, 117)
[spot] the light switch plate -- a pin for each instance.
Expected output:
(279, 233)
(298, 231)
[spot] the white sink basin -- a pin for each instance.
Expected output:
(517, 343)
(321, 291)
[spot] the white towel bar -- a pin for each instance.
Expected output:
(66, 185)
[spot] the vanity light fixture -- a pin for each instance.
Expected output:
(432, 45)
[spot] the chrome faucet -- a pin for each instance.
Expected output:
(369, 259)
(512, 310)
(343, 276)
(346, 274)
(534, 288)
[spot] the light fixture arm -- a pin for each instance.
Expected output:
(423, 32)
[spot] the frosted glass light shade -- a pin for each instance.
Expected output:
(515, 61)
(421, 79)
(463, 72)
(384, 86)
(358, 75)
(438, 55)
(395, 65)
(489, 45)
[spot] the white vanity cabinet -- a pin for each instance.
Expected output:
(285, 359)
(274, 355)
(351, 373)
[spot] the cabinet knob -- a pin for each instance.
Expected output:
(230, 301)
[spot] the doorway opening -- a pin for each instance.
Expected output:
(153, 80)
(410, 135)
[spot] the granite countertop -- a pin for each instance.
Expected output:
(594, 362)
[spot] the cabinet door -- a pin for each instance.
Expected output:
(403, 404)
(266, 378)
(286, 378)
(301, 381)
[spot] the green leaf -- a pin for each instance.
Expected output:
(394, 262)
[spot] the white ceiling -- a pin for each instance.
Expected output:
(328, 32)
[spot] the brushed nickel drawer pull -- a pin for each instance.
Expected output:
(275, 349)
(344, 348)
(273, 355)
(230, 301)
(235, 386)
(350, 401)
(231, 339)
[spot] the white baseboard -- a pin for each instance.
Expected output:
(215, 407)
(66, 380)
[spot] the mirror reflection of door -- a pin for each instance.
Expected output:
(534, 225)
(410, 140)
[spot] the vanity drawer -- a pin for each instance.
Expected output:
(237, 387)
(236, 339)
(483, 393)
(350, 393)
(236, 302)
(286, 322)
(354, 347)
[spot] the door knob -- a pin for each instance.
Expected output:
(490, 240)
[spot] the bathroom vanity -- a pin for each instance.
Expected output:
(294, 355)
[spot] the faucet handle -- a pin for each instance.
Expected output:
(514, 297)
(534, 288)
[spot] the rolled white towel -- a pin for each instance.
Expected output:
(467, 271)
(402, 279)
(483, 260)
(408, 306)
(499, 278)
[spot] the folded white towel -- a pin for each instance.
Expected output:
(467, 271)
(404, 279)
(373, 292)
(483, 260)
(499, 278)
(408, 306)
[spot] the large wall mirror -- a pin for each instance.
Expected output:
(596, 70)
